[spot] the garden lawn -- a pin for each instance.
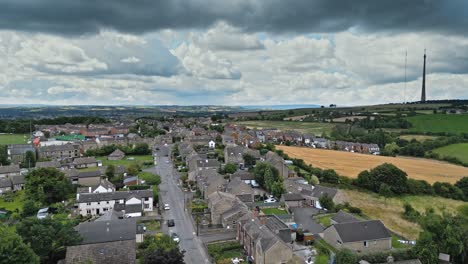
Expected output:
(324, 220)
(321, 259)
(225, 250)
(274, 211)
(6, 139)
(125, 161)
(17, 203)
(459, 151)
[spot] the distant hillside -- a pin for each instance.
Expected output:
(278, 107)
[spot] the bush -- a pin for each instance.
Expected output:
(354, 210)
(410, 213)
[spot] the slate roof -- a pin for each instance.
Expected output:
(4, 183)
(9, 169)
(344, 217)
(293, 197)
(96, 197)
(17, 179)
(86, 160)
(20, 149)
(133, 208)
(244, 175)
(107, 231)
(48, 164)
(117, 153)
(209, 163)
(89, 174)
(361, 231)
(319, 191)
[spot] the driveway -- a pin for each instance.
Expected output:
(172, 194)
(303, 217)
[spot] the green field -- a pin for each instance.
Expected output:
(439, 123)
(304, 127)
(459, 151)
(6, 139)
(125, 161)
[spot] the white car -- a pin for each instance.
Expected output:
(167, 207)
(270, 200)
(175, 237)
(42, 213)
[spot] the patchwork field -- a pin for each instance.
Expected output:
(390, 210)
(351, 164)
(304, 127)
(6, 139)
(417, 137)
(459, 151)
(439, 123)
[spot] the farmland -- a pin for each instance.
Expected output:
(459, 151)
(6, 139)
(419, 138)
(389, 211)
(439, 123)
(351, 164)
(304, 127)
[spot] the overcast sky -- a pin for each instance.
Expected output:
(237, 52)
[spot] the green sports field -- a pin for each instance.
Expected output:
(6, 139)
(439, 123)
(459, 151)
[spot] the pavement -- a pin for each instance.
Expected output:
(303, 217)
(172, 194)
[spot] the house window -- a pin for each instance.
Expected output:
(146, 199)
(98, 203)
(366, 244)
(146, 206)
(105, 209)
(88, 203)
(88, 211)
(107, 202)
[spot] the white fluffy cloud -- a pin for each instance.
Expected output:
(224, 65)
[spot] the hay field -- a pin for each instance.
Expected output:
(351, 164)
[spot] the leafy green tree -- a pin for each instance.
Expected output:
(327, 202)
(345, 256)
(386, 173)
(259, 173)
(425, 249)
(249, 160)
(230, 168)
(48, 237)
(48, 185)
(463, 185)
(160, 249)
(385, 191)
(14, 250)
(133, 169)
(141, 149)
(3, 155)
(30, 207)
(314, 180)
(330, 176)
(110, 171)
(29, 160)
(277, 189)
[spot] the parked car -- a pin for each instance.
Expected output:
(170, 223)
(270, 200)
(175, 237)
(254, 184)
(167, 207)
(42, 213)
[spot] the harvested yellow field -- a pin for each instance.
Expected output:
(351, 164)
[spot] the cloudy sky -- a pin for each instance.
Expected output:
(237, 52)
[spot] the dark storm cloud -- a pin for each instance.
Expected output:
(137, 16)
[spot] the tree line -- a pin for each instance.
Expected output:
(24, 125)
